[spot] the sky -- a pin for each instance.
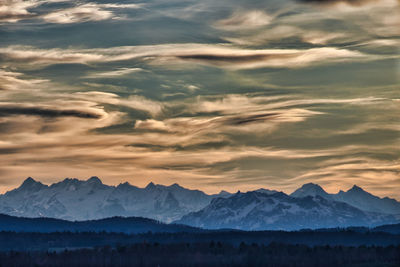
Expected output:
(213, 95)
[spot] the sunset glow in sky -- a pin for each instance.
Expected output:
(213, 95)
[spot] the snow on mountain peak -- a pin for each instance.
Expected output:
(175, 185)
(355, 196)
(75, 199)
(312, 186)
(124, 185)
(94, 180)
(223, 193)
(30, 183)
(259, 211)
(151, 185)
(310, 189)
(266, 191)
(356, 188)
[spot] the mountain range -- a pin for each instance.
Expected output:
(73, 199)
(278, 211)
(355, 196)
(308, 207)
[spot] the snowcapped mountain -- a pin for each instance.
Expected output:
(266, 191)
(164, 203)
(355, 197)
(260, 211)
(74, 199)
(308, 207)
(361, 199)
(311, 189)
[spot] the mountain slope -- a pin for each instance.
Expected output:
(356, 197)
(259, 211)
(361, 199)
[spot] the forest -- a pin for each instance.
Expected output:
(22, 241)
(208, 254)
(325, 247)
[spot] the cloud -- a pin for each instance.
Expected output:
(235, 114)
(198, 128)
(251, 118)
(10, 80)
(13, 109)
(166, 148)
(198, 141)
(12, 11)
(241, 115)
(232, 104)
(133, 101)
(340, 23)
(234, 58)
(15, 10)
(350, 2)
(279, 32)
(224, 56)
(81, 13)
(244, 20)
(29, 56)
(115, 73)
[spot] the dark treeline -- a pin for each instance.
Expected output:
(44, 241)
(129, 225)
(208, 254)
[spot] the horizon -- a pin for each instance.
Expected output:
(191, 188)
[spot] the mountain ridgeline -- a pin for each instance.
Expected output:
(308, 207)
(278, 211)
(73, 199)
(356, 197)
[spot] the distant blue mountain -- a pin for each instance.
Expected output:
(260, 211)
(131, 225)
(73, 199)
(137, 225)
(312, 190)
(307, 207)
(356, 197)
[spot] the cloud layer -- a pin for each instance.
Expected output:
(225, 56)
(12, 11)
